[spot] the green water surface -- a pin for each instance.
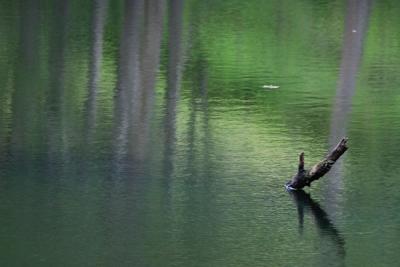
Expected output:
(140, 133)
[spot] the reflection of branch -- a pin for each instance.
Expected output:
(304, 202)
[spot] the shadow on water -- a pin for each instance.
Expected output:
(326, 228)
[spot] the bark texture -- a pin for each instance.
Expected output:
(306, 177)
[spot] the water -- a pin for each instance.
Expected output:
(139, 133)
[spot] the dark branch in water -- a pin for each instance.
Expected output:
(306, 177)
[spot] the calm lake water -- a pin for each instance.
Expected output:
(139, 133)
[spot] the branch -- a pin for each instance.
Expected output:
(305, 178)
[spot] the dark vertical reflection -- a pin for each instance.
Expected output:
(199, 210)
(174, 73)
(196, 126)
(143, 100)
(26, 141)
(138, 66)
(199, 187)
(326, 228)
(96, 51)
(8, 55)
(128, 78)
(123, 211)
(25, 95)
(55, 99)
(206, 124)
(356, 24)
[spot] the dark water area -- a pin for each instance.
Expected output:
(161, 133)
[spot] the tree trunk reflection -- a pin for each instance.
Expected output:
(96, 55)
(356, 25)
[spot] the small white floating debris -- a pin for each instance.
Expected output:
(270, 86)
(354, 30)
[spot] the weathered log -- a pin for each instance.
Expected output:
(306, 177)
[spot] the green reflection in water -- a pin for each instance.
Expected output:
(138, 133)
